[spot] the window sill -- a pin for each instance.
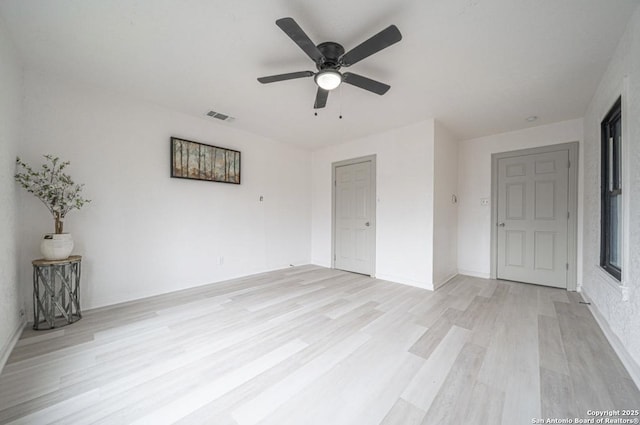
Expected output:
(618, 287)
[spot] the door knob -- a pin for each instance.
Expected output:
(367, 224)
(501, 224)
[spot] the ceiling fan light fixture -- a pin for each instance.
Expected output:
(328, 79)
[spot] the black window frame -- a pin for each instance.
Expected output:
(611, 183)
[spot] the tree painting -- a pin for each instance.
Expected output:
(177, 158)
(193, 160)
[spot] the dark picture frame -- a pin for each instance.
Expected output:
(199, 161)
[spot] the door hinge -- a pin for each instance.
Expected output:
(567, 266)
(335, 183)
(568, 215)
(568, 164)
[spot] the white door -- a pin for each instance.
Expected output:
(533, 218)
(353, 218)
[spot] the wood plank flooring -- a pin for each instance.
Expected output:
(309, 345)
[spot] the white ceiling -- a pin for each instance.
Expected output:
(479, 66)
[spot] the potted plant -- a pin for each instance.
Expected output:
(60, 194)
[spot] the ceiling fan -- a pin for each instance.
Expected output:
(329, 57)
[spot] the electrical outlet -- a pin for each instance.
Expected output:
(21, 312)
(220, 260)
(484, 202)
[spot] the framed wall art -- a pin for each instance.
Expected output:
(197, 161)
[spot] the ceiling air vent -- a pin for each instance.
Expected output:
(220, 116)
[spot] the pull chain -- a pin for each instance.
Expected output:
(340, 100)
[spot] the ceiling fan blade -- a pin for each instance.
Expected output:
(381, 40)
(365, 83)
(321, 98)
(293, 30)
(282, 77)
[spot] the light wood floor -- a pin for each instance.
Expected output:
(309, 345)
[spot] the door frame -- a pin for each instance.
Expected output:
(572, 228)
(372, 240)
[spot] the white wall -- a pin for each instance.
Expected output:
(474, 220)
(145, 233)
(404, 232)
(10, 113)
(621, 78)
(445, 211)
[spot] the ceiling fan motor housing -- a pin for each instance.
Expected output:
(332, 53)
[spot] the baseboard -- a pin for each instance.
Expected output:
(472, 273)
(5, 351)
(111, 302)
(629, 363)
(446, 280)
(404, 281)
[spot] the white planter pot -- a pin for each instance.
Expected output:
(56, 246)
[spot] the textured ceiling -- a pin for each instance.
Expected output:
(479, 66)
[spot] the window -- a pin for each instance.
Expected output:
(611, 189)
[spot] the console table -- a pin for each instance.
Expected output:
(56, 292)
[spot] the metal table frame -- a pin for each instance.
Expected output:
(56, 292)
